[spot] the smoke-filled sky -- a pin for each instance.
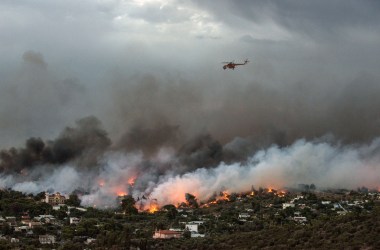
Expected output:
(146, 76)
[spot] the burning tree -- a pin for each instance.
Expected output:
(191, 200)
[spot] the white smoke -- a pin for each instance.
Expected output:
(324, 164)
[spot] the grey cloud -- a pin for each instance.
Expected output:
(34, 58)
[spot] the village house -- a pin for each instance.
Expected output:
(34, 224)
(244, 216)
(74, 220)
(54, 199)
(192, 227)
(166, 234)
(300, 219)
(47, 239)
(25, 219)
(286, 205)
(21, 229)
(196, 222)
(11, 220)
(14, 240)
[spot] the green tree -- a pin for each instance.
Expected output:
(73, 200)
(171, 211)
(128, 205)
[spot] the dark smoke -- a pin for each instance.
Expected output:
(149, 140)
(84, 142)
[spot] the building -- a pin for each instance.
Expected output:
(192, 227)
(300, 219)
(11, 220)
(244, 216)
(47, 239)
(34, 224)
(25, 219)
(196, 235)
(166, 234)
(286, 205)
(54, 199)
(74, 220)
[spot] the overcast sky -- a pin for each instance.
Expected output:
(314, 66)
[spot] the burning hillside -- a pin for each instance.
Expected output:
(82, 158)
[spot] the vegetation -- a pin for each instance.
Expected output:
(355, 224)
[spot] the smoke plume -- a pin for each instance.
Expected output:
(162, 136)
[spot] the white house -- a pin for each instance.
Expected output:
(74, 220)
(196, 235)
(300, 219)
(286, 205)
(244, 216)
(47, 239)
(192, 227)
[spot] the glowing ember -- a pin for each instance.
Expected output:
(224, 196)
(131, 181)
(121, 193)
(101, 183)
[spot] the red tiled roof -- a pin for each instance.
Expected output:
(167, 232)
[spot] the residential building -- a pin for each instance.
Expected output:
(166, 234)
(244, 216)
(47, 239)
(192, 227)
(300, 219)
(74, 220)
(286, 205)
(55, 199)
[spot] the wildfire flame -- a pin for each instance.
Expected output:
(121, 193)
(224, 196)
(153, 208)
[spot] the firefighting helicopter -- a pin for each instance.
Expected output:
(232, 65)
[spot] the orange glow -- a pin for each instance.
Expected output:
(101, 182)
(153, 208)
(131, 181)
(281, 194)
(121, 193)
(270, 190)
(225, 196)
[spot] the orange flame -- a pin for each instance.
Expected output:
(121, 193)
(153, 208)
(225, 196)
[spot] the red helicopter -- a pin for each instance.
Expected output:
(232, 65)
